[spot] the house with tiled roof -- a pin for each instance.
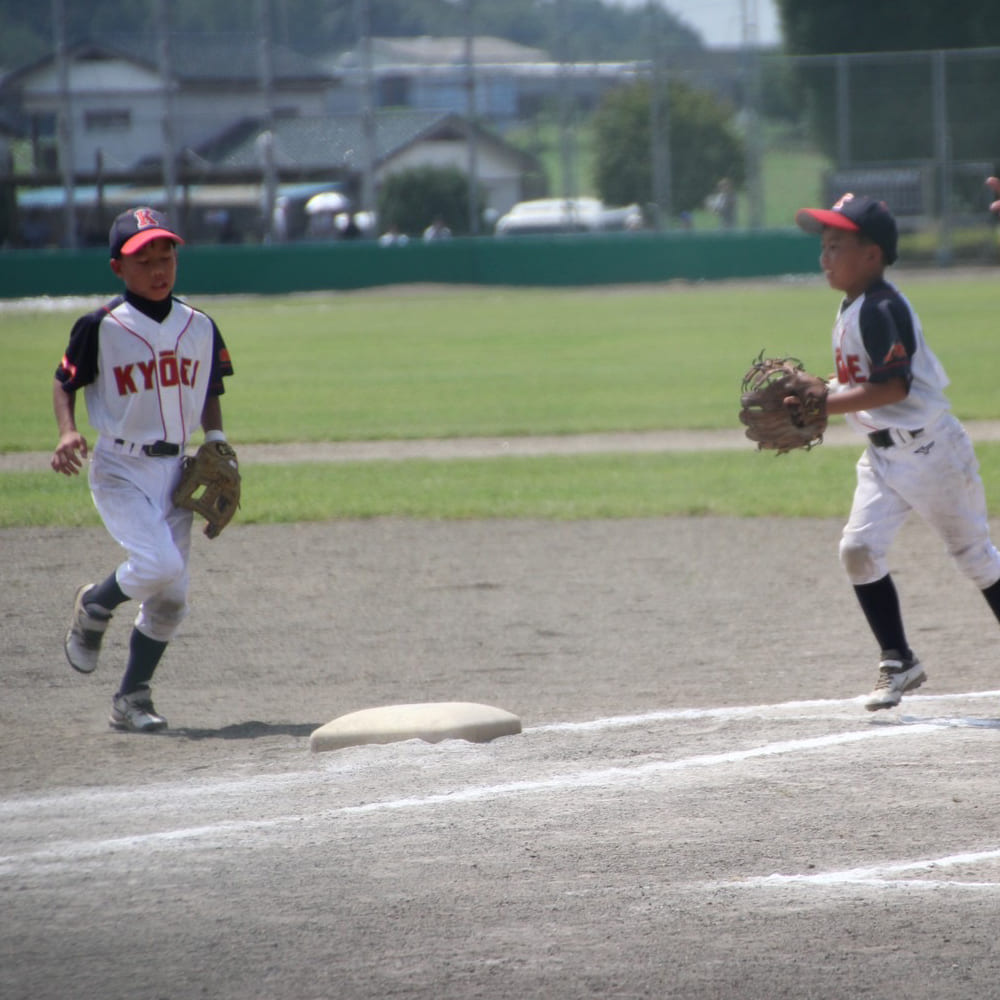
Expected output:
(119, 100)
(402, 139)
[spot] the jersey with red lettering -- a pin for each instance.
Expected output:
(145, 368)
(877, 337)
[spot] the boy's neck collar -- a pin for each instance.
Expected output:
(874, 283)
(157, 309)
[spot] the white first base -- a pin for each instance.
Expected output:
(431, 722)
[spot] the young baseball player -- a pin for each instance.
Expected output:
(891, 388)
(151, 368)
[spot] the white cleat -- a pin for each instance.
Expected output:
(134, 712)
(86, 631)
(896, 675)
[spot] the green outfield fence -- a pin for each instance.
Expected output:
(536, 260)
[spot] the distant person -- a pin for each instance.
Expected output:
(279, 220)
(229, 233)
(35, 230)
(351, 230)
(437, 230)
(723, 203)
(392, 237)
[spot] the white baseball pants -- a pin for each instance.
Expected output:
(935, 474)
(132, 494)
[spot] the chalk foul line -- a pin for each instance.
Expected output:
(882, 876)
(190, 837)
(778, 709)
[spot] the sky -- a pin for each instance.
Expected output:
(720, 22)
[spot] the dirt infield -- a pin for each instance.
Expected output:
(698, 806)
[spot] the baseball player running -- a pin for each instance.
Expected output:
(151, 368)
(891, 388)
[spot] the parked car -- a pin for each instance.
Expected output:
(566, 215)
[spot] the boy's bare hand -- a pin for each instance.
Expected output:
(70, 453)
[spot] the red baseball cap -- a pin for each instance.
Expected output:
(857, 214)
(134, 228)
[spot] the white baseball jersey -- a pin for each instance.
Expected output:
(878, 337)
(145, 379)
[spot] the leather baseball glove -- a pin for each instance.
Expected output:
(782, 405)
(210, 485)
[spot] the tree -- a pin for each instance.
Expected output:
(702, 141)
(882, 26)
(890, 107)
(411, 198)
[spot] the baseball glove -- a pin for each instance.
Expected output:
(782, 405)
(210, 485)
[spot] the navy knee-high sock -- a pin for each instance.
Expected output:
(107, 595)
(992, 595)
(880, 603)
(144, 655)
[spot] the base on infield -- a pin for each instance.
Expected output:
(431, 722)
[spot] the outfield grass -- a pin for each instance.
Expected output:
(737, 484)
(747, 484)
(442, 362)
(445, 363)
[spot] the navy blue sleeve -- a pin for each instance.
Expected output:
(79, 364)
(222, 366)
(888, 335)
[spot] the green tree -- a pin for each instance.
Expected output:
(702, 141)
(891, 98)
(412, 198)
(883, 26)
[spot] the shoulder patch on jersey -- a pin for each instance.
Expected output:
(896, 353)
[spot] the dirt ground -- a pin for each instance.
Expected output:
(698, 807)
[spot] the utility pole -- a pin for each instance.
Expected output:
(266, 77)
(942, 157)
(565, 108)
(751, 55)
(659, 125)
(64, 117)
(362, 18)
(169, 139)
(470, 114)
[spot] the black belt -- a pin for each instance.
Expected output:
(883, 438)
(158, 449)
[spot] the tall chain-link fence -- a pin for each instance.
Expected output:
(916, 129)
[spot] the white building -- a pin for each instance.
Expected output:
(511, 80)
(124, 112)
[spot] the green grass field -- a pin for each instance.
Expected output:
(417, 363)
